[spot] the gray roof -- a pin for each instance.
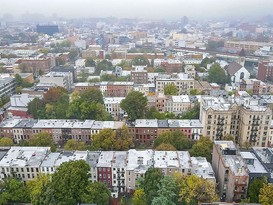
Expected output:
(233, 67)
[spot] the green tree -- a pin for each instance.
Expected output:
(176, 138)
(168, 191)
(254, 189)
(42, 139)
(170, 89)
(195, 190)
(89, 62)
(229, 138)
(140, 61)
(150, 184)
(192, 113)
(159, 70)
(6, 141)
(217, 75)
(134, 104)
(266, 194)
(73, 53)
(69, 183)
(74, 145)
(202, 148)
(13, 191)
(37, 189)
(195, 92)
(139, 197)
(36, 108)
(206, 61)
(97, 193)
(165, 147)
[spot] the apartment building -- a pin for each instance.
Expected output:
(230, 171)
(139, 75)
(257, 87)
(112, 106)
(183, 82)
(62, 79)
(108, 89)
(7, 86)
(202, 168)
(37, 64)
(246, 45)
(177, 104)
(265, 71)
(242, 117)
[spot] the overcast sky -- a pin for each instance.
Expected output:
(156, 9)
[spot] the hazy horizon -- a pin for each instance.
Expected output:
(150, 9)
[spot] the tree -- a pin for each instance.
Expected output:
(254, 189)
(168, 192)
(192, 113)
(206, 61)
(96, 193)
(42, 139)
(54, 94)
(170, 89)
(107, 139)
(13, 191)
(159, 70)
(139, 197)
(140, 61)
(69, 183)
(38, 188)
(5, 141)
(266, 194)
(150, 184)
(36, 108)
(74, 145)
(176, 138)
(217, 75)
(134, 104)
(73, 53)
(229, 138)
(89, 62)
(195, 190)
(165, 147)
(202, 148)
(195, 92)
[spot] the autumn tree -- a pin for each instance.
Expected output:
(195, 190)
(69, 183)
(74, 145)
(266, 194)
(108, 139)
(6, 141)
(134, 104)
(165, 147)
(140, 61)
(175, 138)
(170, 89)
(202, 148)
(42, 139)
(139, 197)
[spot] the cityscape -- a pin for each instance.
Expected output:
(136, 103)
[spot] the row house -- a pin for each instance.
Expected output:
(112, 106)
(60, 130)
(119, 170)
(145, 131)
(256, 86)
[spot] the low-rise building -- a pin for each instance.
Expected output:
(202, 168)
(62, 79)
(112, 106)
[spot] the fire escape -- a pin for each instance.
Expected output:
(219, 129)
(254, 130)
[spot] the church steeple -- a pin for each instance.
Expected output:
(242, 57)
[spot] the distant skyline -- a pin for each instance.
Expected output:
(150, 9)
